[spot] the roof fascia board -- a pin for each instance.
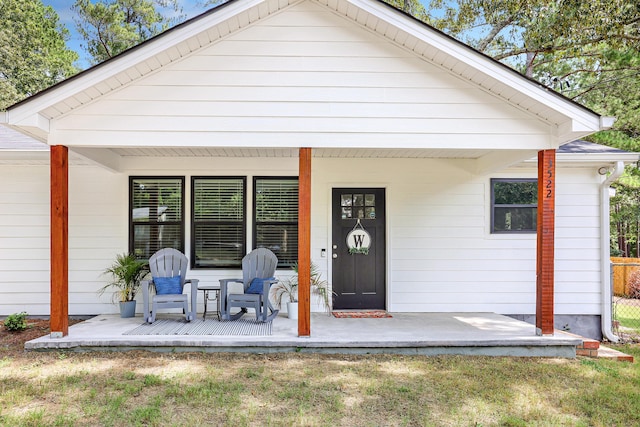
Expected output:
(578, 159)
(572, 130)
(627, 158)
(480, 62)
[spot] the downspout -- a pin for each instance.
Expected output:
(605, 252)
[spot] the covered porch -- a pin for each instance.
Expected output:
(387, 104)
(481, 334)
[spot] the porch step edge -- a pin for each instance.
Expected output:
(594, 349)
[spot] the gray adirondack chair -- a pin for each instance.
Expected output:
(167, 263)
(260, 263)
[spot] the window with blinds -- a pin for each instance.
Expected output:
(276, 217)
(218, 226)
(156, 214)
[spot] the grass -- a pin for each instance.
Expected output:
(148, 389)
(627, 312)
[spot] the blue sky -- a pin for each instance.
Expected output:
(191, 8)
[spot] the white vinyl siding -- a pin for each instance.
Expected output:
(440, 254)
(24, 239)
(304, 74)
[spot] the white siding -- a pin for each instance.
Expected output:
(24, 239)
(441, 255)
(305, 74)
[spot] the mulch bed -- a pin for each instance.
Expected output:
(368, 314)
(36, 328)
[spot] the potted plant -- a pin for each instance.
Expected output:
(287, 291)
(126, 274)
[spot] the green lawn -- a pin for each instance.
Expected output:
(141, 388)
(627, 312)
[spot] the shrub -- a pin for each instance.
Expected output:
(634, 284)
(16, 322)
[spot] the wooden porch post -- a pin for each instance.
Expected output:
(59, 166)
(304, 243)
(546, 239)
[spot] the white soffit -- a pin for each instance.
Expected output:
(374, 15)
(293, 152)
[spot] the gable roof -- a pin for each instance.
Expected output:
(569, 119)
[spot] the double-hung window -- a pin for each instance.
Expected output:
(275, 218)
(218, 222)
(156, 214)
(514, 205)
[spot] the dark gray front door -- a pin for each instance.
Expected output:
(358, 278)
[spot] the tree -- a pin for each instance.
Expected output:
(33, 54)
(588, 51)
(534, 33)
(110, 27)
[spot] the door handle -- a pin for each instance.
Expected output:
(334, 256)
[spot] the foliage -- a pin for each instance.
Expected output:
(110, 27)
(16, 322)
(287, 289)
(126, 272)
(33, 54)
(363, 251)
(588, 51)
(634, 285)
(625, 218)
(533, 34)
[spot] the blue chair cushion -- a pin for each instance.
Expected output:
(168, 285)
(257, 285)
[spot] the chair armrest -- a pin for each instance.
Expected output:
(266, 286)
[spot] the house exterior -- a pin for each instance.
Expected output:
(400, 162)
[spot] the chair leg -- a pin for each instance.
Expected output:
(187, 313)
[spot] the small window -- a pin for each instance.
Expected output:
(156, 214)
(276, 217)
(514, 205)
(218, 228)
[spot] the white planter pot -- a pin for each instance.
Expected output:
(292, 310)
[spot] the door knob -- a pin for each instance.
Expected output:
(335, 256)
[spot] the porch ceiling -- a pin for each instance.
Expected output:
(293, 152)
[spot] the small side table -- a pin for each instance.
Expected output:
(216, 296)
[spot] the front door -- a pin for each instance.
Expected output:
(358, 248)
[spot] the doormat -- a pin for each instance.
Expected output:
(240, 327)
(367, 314)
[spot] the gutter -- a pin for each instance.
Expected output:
(605, 252)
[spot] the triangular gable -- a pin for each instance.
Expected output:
(549, 117)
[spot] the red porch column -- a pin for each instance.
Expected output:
(304, 243)
(546, 238)
(59, 166)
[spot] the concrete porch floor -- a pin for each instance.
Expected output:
(486, 334)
